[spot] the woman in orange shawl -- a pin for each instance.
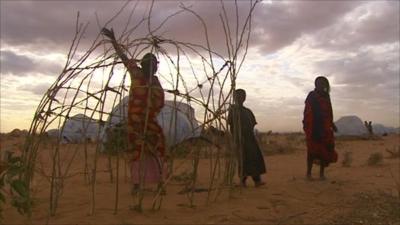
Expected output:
(319, 127)
(146, 99)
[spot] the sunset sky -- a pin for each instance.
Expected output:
(354, 43)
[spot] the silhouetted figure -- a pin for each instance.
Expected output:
(368, 125)
(319, 127)
(241, 121)
(146, 99)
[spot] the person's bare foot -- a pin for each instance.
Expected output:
(309, 177)
(322, 177)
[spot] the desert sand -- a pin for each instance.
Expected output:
(287, 197)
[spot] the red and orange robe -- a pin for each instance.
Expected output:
(318, 127)
(146, 99)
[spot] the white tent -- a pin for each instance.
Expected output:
(354, 126)
(176, 119)
(77, 129)
(350, 125)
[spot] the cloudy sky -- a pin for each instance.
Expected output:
(354, 43)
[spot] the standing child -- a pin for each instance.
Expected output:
(241, 121)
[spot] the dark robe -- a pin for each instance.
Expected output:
(318, 127)
(242, 121)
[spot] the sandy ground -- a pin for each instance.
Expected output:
(288, 198)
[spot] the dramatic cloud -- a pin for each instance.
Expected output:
(336, 24)
(280, 24)
(49, 25)
(373, 23)
(15, 64)
(54, 29)
(37, 89)
(366, 75)
(22, 65)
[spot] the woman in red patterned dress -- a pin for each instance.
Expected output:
(319, 127)
(146, 99)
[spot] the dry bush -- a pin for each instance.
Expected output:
(375, 159)
(205, 146)
(371, 208)
(280, 143)
(273, 149)
(357, 138)
(394, 153)
(349, 138)
(294, 138)
(18, 133)
(347, 159)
